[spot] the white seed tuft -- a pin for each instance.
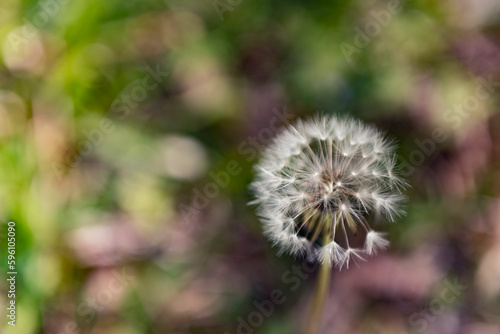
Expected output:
(332, 254)
(374, 242)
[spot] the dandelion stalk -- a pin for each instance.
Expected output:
(320, 293)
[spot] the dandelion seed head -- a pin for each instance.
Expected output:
(317, 184)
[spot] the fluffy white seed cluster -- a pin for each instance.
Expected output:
(317, 184)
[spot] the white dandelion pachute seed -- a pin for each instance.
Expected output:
(331, 254)
(319, 180)
(375, 241)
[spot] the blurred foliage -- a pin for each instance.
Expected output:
(99, 156)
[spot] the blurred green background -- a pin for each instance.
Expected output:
(121, 120)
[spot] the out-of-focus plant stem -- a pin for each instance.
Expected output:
(321, 292)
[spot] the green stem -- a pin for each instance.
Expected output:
(321, 292)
